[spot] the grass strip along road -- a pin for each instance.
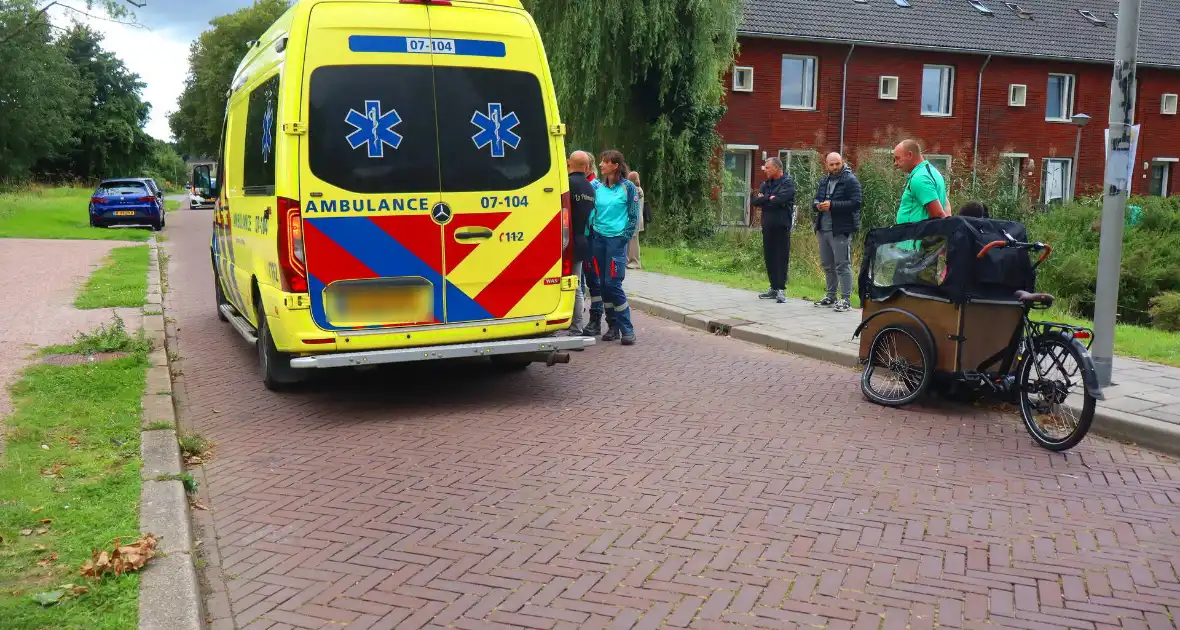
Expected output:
(122, 281)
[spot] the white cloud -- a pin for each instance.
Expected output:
(158, 56)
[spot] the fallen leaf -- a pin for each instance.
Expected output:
(123, 559)
(26, 532)
(197, 505)
(47, 560)
(48, 598)
(71, 439)
(42, 531)
(39, 547)
(79, 590)
(38, 509)
(52, 471)
(46, 521)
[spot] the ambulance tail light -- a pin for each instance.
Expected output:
(567, 237)
(292, 261)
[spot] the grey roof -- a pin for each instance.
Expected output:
(1055, 31)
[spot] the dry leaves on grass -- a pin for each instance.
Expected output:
(124, 558)
(47, 560)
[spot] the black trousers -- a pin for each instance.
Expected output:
(776, 247)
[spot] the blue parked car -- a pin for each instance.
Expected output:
(129, 201)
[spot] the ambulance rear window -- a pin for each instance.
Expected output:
(371, 129)
(493, 132)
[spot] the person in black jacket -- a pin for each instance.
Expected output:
(776, 197)
(837, 217)
(581, 206)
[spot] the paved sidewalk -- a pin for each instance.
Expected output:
(1140, 406)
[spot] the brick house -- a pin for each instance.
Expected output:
(977, 81)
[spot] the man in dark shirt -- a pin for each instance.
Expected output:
(581, 206)
(776, 197)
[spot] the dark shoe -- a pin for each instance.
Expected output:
(629, 340)
(769, 295)
(594, 329)
(781, 297)
(611, 335)
(843, 306)
(826, 302)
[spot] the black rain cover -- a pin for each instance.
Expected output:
(938, 256)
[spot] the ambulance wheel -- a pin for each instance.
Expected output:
(277, 373)
(221, 301)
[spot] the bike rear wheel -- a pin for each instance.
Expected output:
(1047, 379)
(900, 366)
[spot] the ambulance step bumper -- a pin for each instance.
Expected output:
(240, 324)
(457, 351)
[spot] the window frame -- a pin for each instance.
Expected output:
(1012, 90)
(1068, 100)
(1067, 192)
(1165, 181)
(814, 96)
(1175, 99)
(932, 157)
(1018, 173)
(250, 188)
(737, 71)
(946, 89)
(882, 94)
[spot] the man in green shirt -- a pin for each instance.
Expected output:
(925, 195)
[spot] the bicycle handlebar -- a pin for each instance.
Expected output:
(1033, 246)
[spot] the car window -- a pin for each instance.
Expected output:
(258, 167)
(371, 128)
(121, 188)
(493, 132)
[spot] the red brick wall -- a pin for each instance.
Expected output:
(757, 119)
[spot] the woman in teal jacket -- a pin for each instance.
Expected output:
(613, 223)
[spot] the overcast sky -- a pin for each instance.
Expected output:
(157, 51)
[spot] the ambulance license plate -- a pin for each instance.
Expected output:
(385, 301)
(124, 213)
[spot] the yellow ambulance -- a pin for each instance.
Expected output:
(392, 188)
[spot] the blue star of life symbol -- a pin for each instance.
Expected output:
(374, 128)
(495, 129)
(268, 122)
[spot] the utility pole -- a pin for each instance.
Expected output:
(1116, 189)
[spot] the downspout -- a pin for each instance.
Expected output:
(978, 113)
(844, 97)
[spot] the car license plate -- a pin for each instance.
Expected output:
(124, 213)
(394, 301)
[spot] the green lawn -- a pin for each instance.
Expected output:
(806, 282)
(69, 482)
(122, 281)
(57, 213)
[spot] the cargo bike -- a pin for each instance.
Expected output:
(946, 309)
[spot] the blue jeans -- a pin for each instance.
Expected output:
(609, 266)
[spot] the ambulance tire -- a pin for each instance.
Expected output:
(221, 301)
(277, 373)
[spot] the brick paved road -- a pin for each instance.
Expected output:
(691, 481)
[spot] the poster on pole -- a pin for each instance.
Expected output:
(1134, 150)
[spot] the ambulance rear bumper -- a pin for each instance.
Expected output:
(538, 347)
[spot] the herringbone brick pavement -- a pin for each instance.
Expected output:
(688, 482)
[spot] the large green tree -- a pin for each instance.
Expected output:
(108, 136)
(213, 58)
(39, 91)
(644, 76)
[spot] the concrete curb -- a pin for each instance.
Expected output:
(169, 593)
(1108, 423)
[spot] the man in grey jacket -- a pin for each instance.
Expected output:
(837, 217)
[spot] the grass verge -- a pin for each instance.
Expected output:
(56, 213)
(122, 281)
(738, 264)
(69, 479)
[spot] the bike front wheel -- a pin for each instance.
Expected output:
(1048, 378)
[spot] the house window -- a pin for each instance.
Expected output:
(1059, 99)
(938, 85)
(940, 162)
(743, 79)
(1017, 95)
(887, 91)
(1161, 175)
(1055, 180)
(799, 82)
(1168, 104)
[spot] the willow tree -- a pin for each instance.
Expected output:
(644, 76)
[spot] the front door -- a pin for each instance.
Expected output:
(736, 189)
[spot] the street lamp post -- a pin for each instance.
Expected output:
(1080, 120)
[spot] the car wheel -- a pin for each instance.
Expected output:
(275, 366)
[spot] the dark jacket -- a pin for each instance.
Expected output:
(783, 191)
(581, 206)
(846, 201)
